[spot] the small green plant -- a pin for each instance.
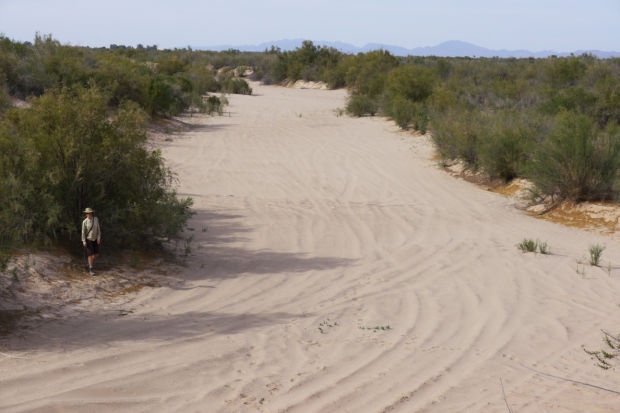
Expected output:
(581, 271)
(528, 245)
(214, 105)
(604, 357)
(360, 105)
(543, 248)
(376, 328)
(596, 251)
(339, 112)
(324, 325)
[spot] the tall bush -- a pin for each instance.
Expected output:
(407, 113)
(360, 105)
(507, 139)
(577, 161)
(67, 152)
(413, 82)
(456, 132)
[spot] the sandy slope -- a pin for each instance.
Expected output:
(311, 231)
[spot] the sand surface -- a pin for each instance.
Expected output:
(335, 268)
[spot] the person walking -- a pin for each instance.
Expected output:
(91, 237)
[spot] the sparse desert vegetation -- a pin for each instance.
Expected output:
(92, 107)
(507, 118)
(328, 266)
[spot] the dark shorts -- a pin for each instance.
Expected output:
(92, 248)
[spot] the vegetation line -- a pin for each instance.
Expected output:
(80, 139)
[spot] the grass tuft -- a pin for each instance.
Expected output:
(596, 251)
(528, 245)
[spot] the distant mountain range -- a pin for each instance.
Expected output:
(454, 48)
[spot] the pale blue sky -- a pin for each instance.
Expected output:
(560, 25)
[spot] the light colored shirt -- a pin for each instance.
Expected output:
(95, 234)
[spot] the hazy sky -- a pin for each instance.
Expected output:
(560, 25)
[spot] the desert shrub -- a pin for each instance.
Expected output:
(230, 84)
(444, 67)
(605, 357)
(360, 105)
(407, 113)
(602, 79)
(165, 97)
(421, 119)
(456, 134)
(66, 152)
(335, 76)
(576, 99)
(308, 62)
(543, 248)
(412, 82)
(577, 161)
(401, 110)
(23, 68)
(170, 65)
(528, 245)
(507, 138)
(122, 79)
(258, 74)
(595, 251)
(366, 73)
(565, 71)
(5, 99)
(214, 105)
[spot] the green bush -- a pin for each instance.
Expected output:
(230, 84)
(413, 82)
(507, 139)
(577, 161)
(66, 152)
(214, 105)
(456, 133)
(566, 71)
(595, 251)
(366, 73)
(170, 65)
(165, 97)
(401, 110)
(407, 113)
(5, 99)
(360, 105)
(528, 245)
(122, 79)
(543, 247)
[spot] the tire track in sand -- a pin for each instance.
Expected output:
(343, 224)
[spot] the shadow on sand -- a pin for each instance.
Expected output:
(215, 232)
(220, 258)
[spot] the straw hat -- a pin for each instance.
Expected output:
(88, 211)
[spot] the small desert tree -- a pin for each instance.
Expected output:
(577, 161)
(66, 152)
